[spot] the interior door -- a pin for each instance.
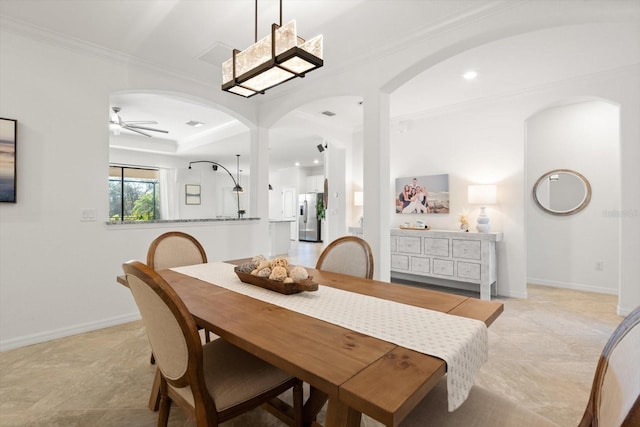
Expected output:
(288, 203)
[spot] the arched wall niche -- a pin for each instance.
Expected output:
(581, 134)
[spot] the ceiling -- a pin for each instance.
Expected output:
(192, 38)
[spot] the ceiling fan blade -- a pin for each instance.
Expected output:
(135, 130)
(143, 122)
(145, 128)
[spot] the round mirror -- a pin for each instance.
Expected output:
(562, 192)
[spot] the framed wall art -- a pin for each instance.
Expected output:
(8, 150)
(192, 194)
(422, 194)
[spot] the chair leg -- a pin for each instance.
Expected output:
(165, 405)
(154, 398)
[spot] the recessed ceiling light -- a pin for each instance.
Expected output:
(297, 163)
(194, 123)
(316, 161)
(470, 75)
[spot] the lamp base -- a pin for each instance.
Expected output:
(482, 228)
(483, 221)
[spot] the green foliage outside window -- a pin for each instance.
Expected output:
(140, 201)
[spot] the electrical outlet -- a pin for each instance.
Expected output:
(599, 265)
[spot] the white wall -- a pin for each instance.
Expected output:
(355, 172)
(335, 214)
(563, 250)
(57, 274)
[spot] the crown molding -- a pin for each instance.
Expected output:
(53, 38)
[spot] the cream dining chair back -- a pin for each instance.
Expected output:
(615, 394)
(214, 382)
(347, 255)
(175, 249)
(614, 400)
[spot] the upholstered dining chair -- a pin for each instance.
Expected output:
(347, 255)
(212, 383)
(614, 399)
(175, 249)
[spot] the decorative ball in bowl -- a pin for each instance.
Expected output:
(276, 275)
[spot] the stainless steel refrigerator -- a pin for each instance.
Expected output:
(308, 222)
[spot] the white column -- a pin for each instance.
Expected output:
(337, 197)
(629, 296)
(259, 190)
(376, 172)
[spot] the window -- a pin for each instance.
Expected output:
(134, 194)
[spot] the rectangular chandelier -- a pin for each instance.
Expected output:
(275, 59)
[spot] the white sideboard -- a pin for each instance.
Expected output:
(449, 255)
(356, 231)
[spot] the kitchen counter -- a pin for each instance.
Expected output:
(279, 236)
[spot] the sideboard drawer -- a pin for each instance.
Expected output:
(443, 267)
(400, 262)
(468, 270)
(394, 244)
(409, 244)
(469, 249)
(420, 264)
(439, 247)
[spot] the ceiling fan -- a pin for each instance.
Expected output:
(116, 124)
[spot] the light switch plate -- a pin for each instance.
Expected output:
(87, 215)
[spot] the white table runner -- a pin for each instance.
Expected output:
(459, 341)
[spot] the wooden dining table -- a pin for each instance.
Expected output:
(357, 373)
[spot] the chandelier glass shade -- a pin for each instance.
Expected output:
(273, 60)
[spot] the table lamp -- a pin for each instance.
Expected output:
(358, 199)
(482, 195)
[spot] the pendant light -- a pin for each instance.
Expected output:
(275, 59)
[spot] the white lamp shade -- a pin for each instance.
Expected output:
(482, 194)
(358, 198)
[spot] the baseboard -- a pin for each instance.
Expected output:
(573, 286)
(66, 332)
(507, 293)
(622, 311)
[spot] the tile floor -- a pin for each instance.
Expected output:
(543, 353)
